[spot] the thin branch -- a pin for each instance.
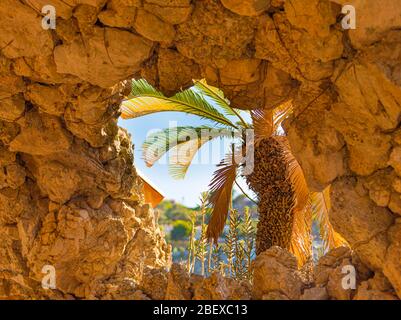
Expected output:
(245, 194)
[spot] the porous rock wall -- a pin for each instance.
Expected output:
(69, 196)
(276, 276)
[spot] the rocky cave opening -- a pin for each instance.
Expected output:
(70, 197)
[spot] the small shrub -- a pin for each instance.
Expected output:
(181, 230)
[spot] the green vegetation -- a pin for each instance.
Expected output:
(185, 229)
(172, 211)
(232, 256)
(181, 230)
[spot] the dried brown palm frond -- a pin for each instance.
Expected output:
(295, 175)
(262, 120)
(309, 206)
(220, 190)
(267, 122)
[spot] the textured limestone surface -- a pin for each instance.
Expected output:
(275, 277)
(67, 182)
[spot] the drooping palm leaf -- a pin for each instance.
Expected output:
(301, 240)
(295, 175)
(321, 206)
(144, 100)
(142, 87)
(220, 195)
(181, 158)
(183, 154)
(158, 143)
(217, 96)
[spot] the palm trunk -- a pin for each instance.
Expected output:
(275, 194)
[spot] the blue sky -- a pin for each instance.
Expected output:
(186, 191)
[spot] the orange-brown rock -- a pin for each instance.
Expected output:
(12, 108)
(153, 28)
(392, 268)
(275, 271)
(175, 71)
(18, 40)
(67, 185)
(172, 14)
(107, 60)
(247, 7)
(217, 287)
(367, 225)
(316, 293)
(374, 19)
(376, 288)
(41, 134)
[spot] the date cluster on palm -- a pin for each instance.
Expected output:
(276, 199)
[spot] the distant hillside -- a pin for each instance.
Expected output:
(171, 211)
(240, 202)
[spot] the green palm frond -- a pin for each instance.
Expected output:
(183, 142)
(217, 96)
(142, 87)
(144, 100)
(183, 154)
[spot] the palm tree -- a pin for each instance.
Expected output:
(285, 204)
